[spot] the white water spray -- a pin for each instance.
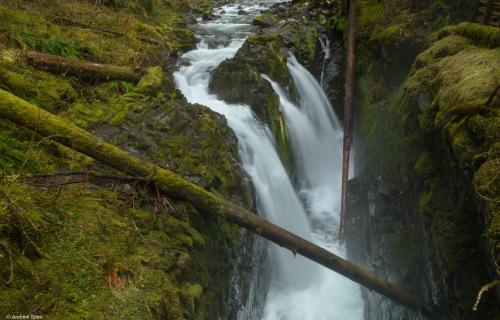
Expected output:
(325, 46)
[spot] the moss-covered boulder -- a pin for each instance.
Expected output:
(265, 20)
(236, 81)
(188, 139)
(301, 38)
(266, 54)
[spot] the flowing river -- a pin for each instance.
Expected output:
(300, 289)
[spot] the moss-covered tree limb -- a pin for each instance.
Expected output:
(86, 70)
(48, 125)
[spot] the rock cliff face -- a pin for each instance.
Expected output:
(420, 212)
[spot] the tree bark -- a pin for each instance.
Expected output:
(349, 93)
(85, 70)
(53, 127)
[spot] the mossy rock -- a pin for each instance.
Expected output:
(154, 81)
(264, 52)
(425, 165)
(236, 81)
(478, 33)
(301, 38)
(460, 76)
(266, 20)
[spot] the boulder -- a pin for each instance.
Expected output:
(265, 20)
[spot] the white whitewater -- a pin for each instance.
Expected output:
(300, 289)
(325, 46)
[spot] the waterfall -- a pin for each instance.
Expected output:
(300, 289)
(316, 137)
(325, 46)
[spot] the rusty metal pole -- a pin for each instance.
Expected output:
(349, 93)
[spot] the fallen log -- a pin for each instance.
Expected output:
(55, 128)
(86, 70)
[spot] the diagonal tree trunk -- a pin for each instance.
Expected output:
(55, 128)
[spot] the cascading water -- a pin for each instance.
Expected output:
(316, 137)
(300, 289)
(325, 46)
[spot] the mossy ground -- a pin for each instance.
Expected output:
(106, 258)
(102, 249)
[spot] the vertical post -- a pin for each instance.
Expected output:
(349, 93)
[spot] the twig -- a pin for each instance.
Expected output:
(485, 197)
(483, 290)
(492, 96)
(17, 213)
(29, 152)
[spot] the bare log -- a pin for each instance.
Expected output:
(86, 70)
(49, 125)
(349, 93)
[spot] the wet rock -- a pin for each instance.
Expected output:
(265, 53)
(242, 12)
(424, 101)
(191, 140)
(265, 20)
(207, 16)
(304, 38)
(154, 81)
(236, 81)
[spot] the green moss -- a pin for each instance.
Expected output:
(190, 294)
(305, 43)
(47, 91)
(52, 45)
(280, 132)
(425, 165)
(479, 33)
(102, 259)
(460, 76)
(487, 187)
(265, 20)
(263, 51)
